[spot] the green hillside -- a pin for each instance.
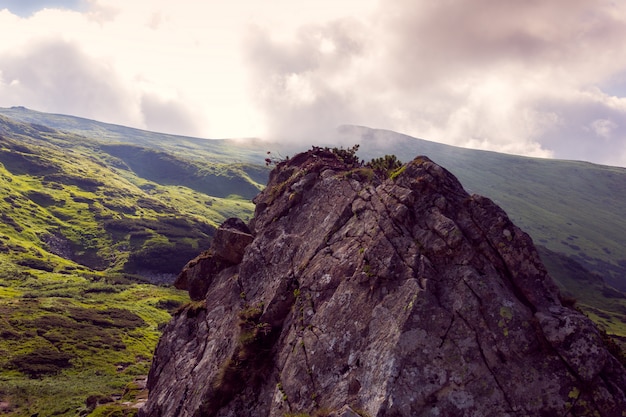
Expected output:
(114, 208)
(215, 151)
(87, 230)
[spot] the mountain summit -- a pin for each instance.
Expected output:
(350, 294)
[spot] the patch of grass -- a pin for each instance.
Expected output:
(42, 361)
(59, 351)
(114, 410)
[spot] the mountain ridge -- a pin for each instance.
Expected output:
(62, 193)
(551, 199)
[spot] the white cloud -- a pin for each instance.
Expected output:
(543, 78)
(477, 74)
(56, 75)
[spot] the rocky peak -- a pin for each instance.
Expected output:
(354, 295)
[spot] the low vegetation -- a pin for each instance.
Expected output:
(66, 338)
(89, 241)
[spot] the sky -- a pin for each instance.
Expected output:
(543, 78)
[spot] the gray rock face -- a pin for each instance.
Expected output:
(402, 297)
(227, 248)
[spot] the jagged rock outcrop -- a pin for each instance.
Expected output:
(401, 297)
(227, 248)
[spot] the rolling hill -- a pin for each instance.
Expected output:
(88, 229)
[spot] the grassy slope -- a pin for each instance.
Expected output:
(106, 331)
(68, 193)
(81, 230)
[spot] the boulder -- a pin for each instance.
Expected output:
(227, 248)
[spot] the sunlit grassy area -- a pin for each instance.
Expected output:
(87, 247)
(64, 338)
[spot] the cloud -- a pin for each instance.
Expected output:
(542, 78)
(503, 75)
(79, 72)
(588, 125)
(54, 74)
(299, 83)
(168, 116)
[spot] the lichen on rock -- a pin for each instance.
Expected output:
(396, 297)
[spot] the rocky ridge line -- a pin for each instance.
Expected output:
(399, 297)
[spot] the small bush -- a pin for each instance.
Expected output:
(36, 263)
(385, 166)
(43, 361)
(41, 198)
(114, 411)
(168, 305)
(51, 321)
(97, 399)
(613, 347)
(111, 317)
(348, 155)
(192, 308)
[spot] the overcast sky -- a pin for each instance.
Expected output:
(536, 77)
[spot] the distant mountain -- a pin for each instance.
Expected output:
(215, 150)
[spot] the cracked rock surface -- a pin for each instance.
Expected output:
(397, 297)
